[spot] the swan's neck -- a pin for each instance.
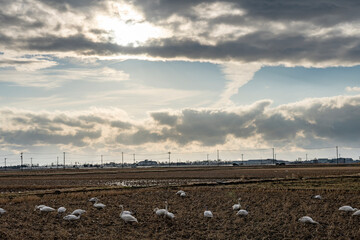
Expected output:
(122, 209)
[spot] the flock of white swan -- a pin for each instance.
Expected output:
(127, 216)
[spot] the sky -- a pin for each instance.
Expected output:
(94, 78)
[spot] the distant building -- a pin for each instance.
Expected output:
(147, 163)
(333, 160)
(343, 160)
(259, 162)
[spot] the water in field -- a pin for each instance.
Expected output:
(160, 182)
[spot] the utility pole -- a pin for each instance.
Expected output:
(122, 159)
(306, 157)
(64, 160)
(5, 164)
(134, 158)
(337, 155)
(242, 158)
(30, 163)
(273, 151)
(169, 158)
(57, 162)
(101, 160)
(21, 157)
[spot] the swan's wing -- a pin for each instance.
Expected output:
(170, 215)
(236, 206)
(128, 218)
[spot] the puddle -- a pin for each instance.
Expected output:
(158, 182)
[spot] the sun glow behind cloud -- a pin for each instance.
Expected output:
(129, 26)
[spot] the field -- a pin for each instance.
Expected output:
(275, 197)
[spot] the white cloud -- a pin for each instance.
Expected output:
(25, 63)
(352, 89)
(50, 78)
(310, 123)
(217, 9)
(238, 75)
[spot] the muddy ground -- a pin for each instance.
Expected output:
(274, 208)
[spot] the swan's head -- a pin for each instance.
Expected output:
(82, 212)
(355, 209)
(155, 209)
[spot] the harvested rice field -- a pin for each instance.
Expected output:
(275, 198)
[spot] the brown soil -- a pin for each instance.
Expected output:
(274, 207)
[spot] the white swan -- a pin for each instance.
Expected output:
(317, 197)
(167, 213)
(71, 217)
(93, 199)
(242, 212)
(99, 205)
(208, 213)
(78, 212)
(39, 207)
(47, 209)
(61, 210)
(180, 192)
(2, 211)
(160, 212)
(237, 206)
(307, 219)
(127, 217)
(348, 209)
(125, 212)
(183, 194)
(357, 213)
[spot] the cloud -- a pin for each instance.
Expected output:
(309, 123)
(352, 89)
(25, 63)
(280, 32)
(50, 78)
(164, 118)
(230, 33)
(238, 74)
